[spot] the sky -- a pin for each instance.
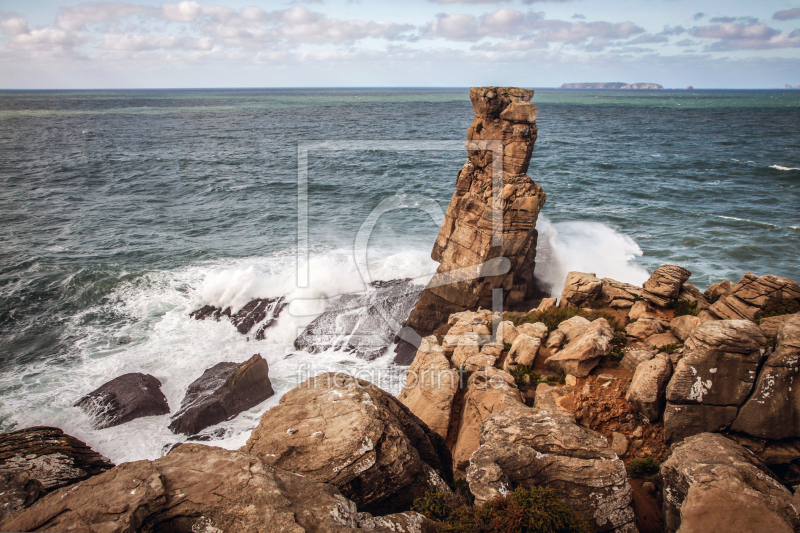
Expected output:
(410, 43)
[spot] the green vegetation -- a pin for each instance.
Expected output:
(640, 468)
(786, 307)
(479, 127)
(685, 307)
(669, 348)
(770, 343)
(553, 317)
(532, 510)
(619, 342)
(520, 372)
(506, 346)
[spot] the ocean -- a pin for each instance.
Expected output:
(123, 211)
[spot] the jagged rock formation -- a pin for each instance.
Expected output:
(347, 432)
(364, 324)
(467, 237)
(221, 393)
(647, 391)
(123, 399)
(259, 311)
(664, 285)
(522, 446)
(38, 460)
(201, 489)
(753, 294)
(582, 354)
(711, 483)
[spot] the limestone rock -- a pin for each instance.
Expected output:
(347, 432)
(718, 289)
(555, 340)
(624, 294)
(431, 386)
(633, 358)
(647, 391)
(574, 327)
(545, 305)
(487, 392)
(643, 328)
(753, 294)
(683, 326)
(619, 443)
(38, 460)
(665, 284)
(537, 330)
(771, 325)
(773, 410)
(581, 289)
(221, 393)
(714, 377)
(690, 293)
(522, 352)
(471, 266)
(643, 309)
(581, 355)
(123, 399)
(193, 488)
(506, 332)
(533, 447)
(468, 330)
(661, 339)
(713, 484)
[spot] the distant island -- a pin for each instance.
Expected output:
(612, 85)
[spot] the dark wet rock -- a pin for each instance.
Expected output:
(205, 490)
(365, 324)
(221, 393)
(123, 399)
(37, 460)
(261, 312)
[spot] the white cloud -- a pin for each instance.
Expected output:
(186, 11)
(47, 39)
(298, 24)
(76, 18)
(14, 26)
(746, 36)
(500, 23)
(140, 43)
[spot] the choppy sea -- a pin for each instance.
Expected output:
(123, 211)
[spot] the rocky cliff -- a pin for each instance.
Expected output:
(488, 238)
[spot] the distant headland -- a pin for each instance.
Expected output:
(611, 85)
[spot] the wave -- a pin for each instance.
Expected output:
(748, 220)
(779, 167)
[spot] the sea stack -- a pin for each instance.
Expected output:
(491, 216)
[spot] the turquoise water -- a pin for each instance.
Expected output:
(124, 210)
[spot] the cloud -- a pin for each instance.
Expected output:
(76, 18)
(558, 31)
(186, 11)
(301, 25)
(787, 14)
(140, 43)
(686, 42)
(754, 36)
(47, 40)
(743, 20)
(500, 23)
(699, 15)
(14, 26)
(578, 16)
(648, 38)
(675, 30)
(467, 1)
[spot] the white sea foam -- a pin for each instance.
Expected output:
(779, 167)
(748, 220)
(585, 247)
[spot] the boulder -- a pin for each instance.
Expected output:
(431, 386)
(522, 352)
(711, 483)
(123, 399)
(692, 294)
(506, 332)
(537, 330)
(195, 488)
(555, 340)
(263, 312)
(526, 447)
(471, 264)
(38, 460)
(633, 358)
(714, 377)
(545, 305)
(619, 443)
(753, 294)
(574, 327)
(643, 328)
(581, 355)
(469, 329)
(683, 326)
(347, 432)
(487, 392)
(664, 285)
(618, 294)
(771, 325)
(647, 391)
(773, 410)
(718, 289)
(221, 393)
(581, 289)
(661, 339)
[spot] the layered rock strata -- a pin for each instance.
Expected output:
(753, 294)
(492, 214)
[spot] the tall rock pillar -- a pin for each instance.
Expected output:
(488, 238)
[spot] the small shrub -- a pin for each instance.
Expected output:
(461, 490)
(536, 509)
(669, 348)
(596, 304)
(433, 505)
(521, 372)
(506, 346)
(770, 343)
(618, 343)
(786, 307)
(685, 307)
(643, 467)
(553, 317)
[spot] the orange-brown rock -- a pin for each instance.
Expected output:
(478, 251)
(665, 284)
(753, 294)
